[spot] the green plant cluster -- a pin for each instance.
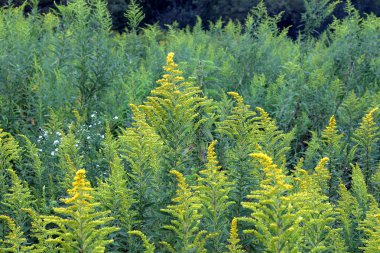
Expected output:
(98, 156)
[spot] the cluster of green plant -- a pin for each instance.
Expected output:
(95, 155)
(159, 185)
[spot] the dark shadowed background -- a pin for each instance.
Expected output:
(185, 12)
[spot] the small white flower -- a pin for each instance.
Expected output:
(40, 150)
(116, 117)
(93, 115)
(90, 126)
(88, 137)
(40, 137)
(76, 145)
(58, 133)
(56, 142)
(52, 153)
(102, 136)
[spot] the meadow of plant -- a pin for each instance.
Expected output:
(232, 139)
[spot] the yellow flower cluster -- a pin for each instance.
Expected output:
(274, 174)
(237, 97)
(211, 157)
(173, 73)
(331, 126)
(368, 118)
(80, 188)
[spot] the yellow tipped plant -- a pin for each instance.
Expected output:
(141, 149)
(366, 138)
(82, 228)
(176, 111)
(186, 217)
(13, 242)
(234, 246)
(271, 140)
(240, 129)
(332, 147)
(115, 195)
(17, 198)
(274, 218)
(214, 189)
(149, 247)
(318, 230)
(9, 153)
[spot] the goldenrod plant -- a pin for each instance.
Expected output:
(333, 148)
(271, 140)
(141, 148)
(173, 110)
(186, 218)
(10, 153)
(275, 223)
(149, 247)
(234, 246)
(214, 189)
(241, 132)
(33, 164)
(69, 158)
(114, 195)
(359, 189)
(349, 217)
(17, 198)
(80, 227)
(371, 227)
(14, 241)
(366, 138)
(76, 95)
(319, 217)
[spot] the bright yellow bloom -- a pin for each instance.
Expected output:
(80, 188)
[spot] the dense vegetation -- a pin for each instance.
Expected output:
(245, 141)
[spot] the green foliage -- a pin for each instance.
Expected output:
(174, 110)
(316, 12)
(371, 227)
(240, 129)
(134, 15)
(319, 216)
(140, 147)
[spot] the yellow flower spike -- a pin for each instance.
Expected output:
(237, 97)
(368, 118)
(265, 160)
(80, 188)
(211, 155)
(234, 230)
(234, 246)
